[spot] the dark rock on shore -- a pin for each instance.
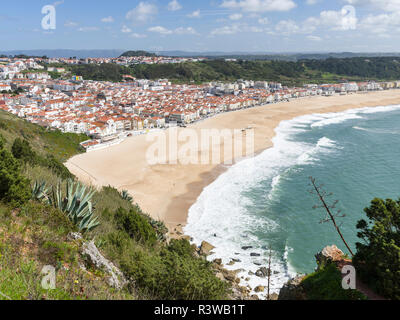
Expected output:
(262, 272)
(293, 290)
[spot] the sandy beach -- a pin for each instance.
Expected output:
(167, 191)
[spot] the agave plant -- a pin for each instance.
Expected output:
(126, 196)
(76, 204)
(40, 192)
(160, 228)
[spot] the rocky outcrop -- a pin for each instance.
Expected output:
(262, 272)
(74, 236)
(94, 258)
(259, 289)
(238, 292)
(293, 290)
(206, 248)
(328, 255)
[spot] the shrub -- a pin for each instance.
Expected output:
(14, 188)
(48, 217)
(126, 196)
(135, 225)
(326, 284)
(22, 150)
(378, 258)
(110, 198)
(56, 167)
(2, 142)
(174, 274)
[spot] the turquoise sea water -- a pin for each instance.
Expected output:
(264, 202)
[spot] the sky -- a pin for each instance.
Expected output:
(202, 25)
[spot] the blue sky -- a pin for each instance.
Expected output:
(206, 25)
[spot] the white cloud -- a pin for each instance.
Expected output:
(71, 24)
(312, 2)
(236, 16)
(57, 3)
(188, 30)
(259, 5)
(160, 30)
(88, 29)
(107, 19)
(345, 19)
(314, 38)
(386, 5)
(236, 28)
(126, 29)
(287, 27)
(382, 24)
(194, 14)
(180, 31)
(226, 30)
(137, 36)
(263, 21)
(142, 13)
(310, 25)
(254, 29)
(174, 5)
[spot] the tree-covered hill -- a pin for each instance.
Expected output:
(287, 72)
(138, 53)
(374, 68)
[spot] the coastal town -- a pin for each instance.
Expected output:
(110, 112)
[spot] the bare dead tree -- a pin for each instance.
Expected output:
(329, 208)
(269, 273)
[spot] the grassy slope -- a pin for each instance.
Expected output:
(61, 145)
(35, 235)
(326, 284)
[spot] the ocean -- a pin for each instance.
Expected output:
(264, 202)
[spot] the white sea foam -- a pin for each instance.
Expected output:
(379, 131)
(326, 142)
(274, 186)
(221, 214)
(379, 109)
(332, 118)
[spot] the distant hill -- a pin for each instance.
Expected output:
(290, 56)
(275, 56)
(138, 53)
(65, 53)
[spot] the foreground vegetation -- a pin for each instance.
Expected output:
(40, 206)
(326, 284)
(378, 256)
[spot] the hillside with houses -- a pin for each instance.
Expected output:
(108, 112)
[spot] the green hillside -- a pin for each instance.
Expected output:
(36, 219)
(287, 72)
(138, 53)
